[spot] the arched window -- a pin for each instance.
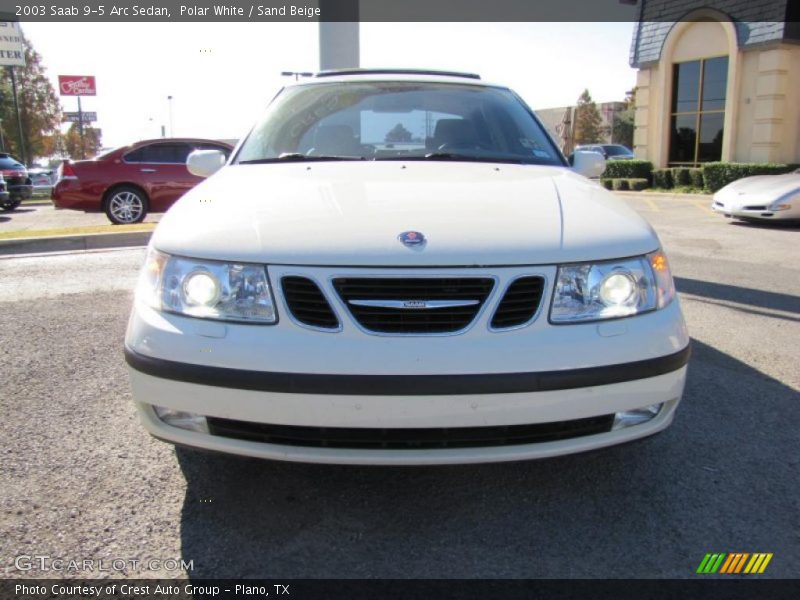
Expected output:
(697, 110)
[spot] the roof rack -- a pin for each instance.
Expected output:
(337, 72)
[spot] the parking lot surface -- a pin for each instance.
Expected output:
(81, 479)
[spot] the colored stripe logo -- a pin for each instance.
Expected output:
(734, 563)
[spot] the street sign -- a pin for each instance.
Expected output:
(12, 52)
(86, 117)
(77, 85)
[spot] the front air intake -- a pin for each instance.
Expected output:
(519, 304)
(423, 305)
(307, 303)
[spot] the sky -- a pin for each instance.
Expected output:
(222, 76)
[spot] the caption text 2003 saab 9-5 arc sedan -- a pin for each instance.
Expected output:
(128, 182)
(402, 268)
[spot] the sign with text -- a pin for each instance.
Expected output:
(12, 53)
(86, 117)
(77, 85)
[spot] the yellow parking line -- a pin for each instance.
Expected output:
(702, 206)
(651, 203)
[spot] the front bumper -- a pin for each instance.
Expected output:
(288, 375)
(374, 412)
(23, 192)
(757, 212)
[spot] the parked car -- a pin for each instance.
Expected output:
(42, 179)
(761, 198)
(128, 182)
(5, 199)
(18, 184)
(609, 151)
(470, 297)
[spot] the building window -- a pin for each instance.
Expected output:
(697, 110)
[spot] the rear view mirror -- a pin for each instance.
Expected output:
(204, 163)
(588, 164)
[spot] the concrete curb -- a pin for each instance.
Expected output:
(73, 243)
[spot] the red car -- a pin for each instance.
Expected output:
(131, 181)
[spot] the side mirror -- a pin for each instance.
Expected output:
(588, 164)
(204, 163)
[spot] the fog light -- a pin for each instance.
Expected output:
(629, 418)
(182, 419)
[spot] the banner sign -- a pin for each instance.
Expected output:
(77, 85)
(12, 53)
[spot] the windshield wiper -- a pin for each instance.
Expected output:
(297, 157)
(455, 156)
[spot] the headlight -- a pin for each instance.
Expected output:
(611, 289)
(785, 202)
(206, 289)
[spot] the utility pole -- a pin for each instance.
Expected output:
(339, 38)
(19, 118)
(171, 132)
(80, 129)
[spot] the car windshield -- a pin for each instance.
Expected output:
(616, 150)
(379, 120)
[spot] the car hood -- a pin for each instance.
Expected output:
(772, 185)
(351, 213)
(761, 189)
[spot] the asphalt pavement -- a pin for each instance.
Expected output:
(82, 480)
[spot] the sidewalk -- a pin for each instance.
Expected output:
(35, 228)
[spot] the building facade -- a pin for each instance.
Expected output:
(717, 80)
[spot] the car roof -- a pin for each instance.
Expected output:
(356, 75)
(182, 140)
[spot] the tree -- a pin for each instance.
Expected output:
(588, 121)
(91, 141)
(40, 112)
(624, 122)
(398, 134)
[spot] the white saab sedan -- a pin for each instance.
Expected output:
(402, 268)
(761, 198)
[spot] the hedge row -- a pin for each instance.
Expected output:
(719, 174)
(635, 184)
(628, 169)
(678, 176)
(711, 176)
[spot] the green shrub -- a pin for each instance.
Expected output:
(717, 175)
(607, 183)
(662, 178)
(628, 169)
(681, 177)
(620, 184)
(638, 184)
(696, 178)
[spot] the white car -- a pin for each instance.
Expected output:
(465, 296)
(761, 198)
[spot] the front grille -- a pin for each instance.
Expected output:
(462, 299)
(755, 207)
(307, 303)
(519, 303)
(408, 438)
